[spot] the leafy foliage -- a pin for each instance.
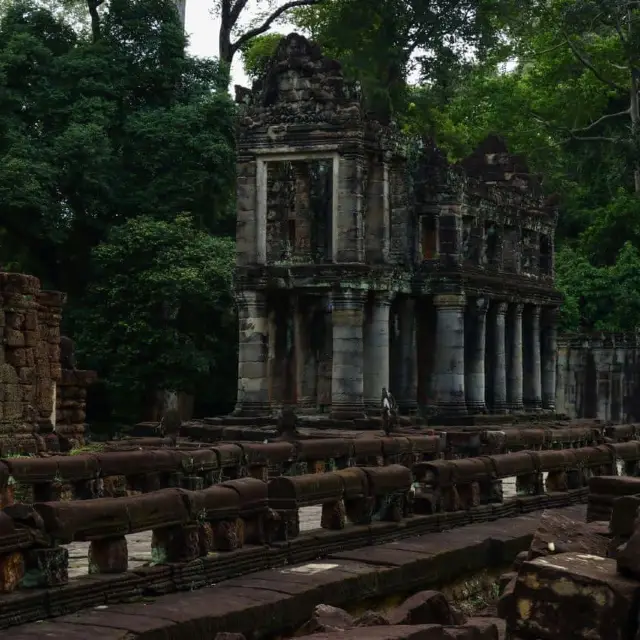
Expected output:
(380, 43)
(257, 53)
(158, 312)
(106, 134)
(95, 133)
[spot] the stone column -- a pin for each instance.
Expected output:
(376, 350)
(448, 372)
(515, 372)
(406, 393)
(549, 359)
(499, 359)
(253, 387)
(532, 379)
(562, 375)
(346, 372)
(474, 366)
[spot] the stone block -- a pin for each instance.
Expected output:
(328, 618)
(425, 607)
(46, 567)
(192, 483)
(572, 595)
(558, 534)
(623, 515)
(333, 516)
(109, 555)
(12, 569)
(175, 544)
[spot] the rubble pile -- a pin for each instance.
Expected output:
(579, 580)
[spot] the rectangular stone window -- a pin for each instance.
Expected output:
(428, 237)
(546, 255)
(295, 203)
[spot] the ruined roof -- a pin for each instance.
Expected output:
(492, 163)
(301, 85)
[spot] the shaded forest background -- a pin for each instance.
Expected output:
(118, 162)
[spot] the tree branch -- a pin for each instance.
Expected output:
(235, 12)
(257, 31)
(586, 63)
(608, 116)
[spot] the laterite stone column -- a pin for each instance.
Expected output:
(515, 370)
(347, 384)
(474, 369)
(253, 387)
(376, 351)
(499, 399)
(549, 358)
(533, 370)
(449, 361)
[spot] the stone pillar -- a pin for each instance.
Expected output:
(532, 378)
(376, 350)
(562, 378)
(253, 388)
(549, 359)
(349, 242)
(346, 372)
(448, 375)
(515, 372)
(406, 394)
(499, 359)
(474, 365)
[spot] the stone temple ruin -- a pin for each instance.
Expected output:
(356, 273)
(43, 396)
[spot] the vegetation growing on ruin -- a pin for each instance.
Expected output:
(110, 130)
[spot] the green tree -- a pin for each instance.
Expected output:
(257, 53)
(98, 132)
(379, 43)
(159, 312)
(236, 35)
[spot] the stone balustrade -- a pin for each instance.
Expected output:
(149, 464)
(241, 525)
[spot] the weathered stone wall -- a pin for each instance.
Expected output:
(598, 376)
(34, 386)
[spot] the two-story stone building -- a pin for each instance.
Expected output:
(355, 273)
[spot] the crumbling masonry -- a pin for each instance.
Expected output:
(355, 273)
(43, 396)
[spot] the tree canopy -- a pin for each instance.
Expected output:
(106, 135)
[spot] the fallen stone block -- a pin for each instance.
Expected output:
(474, 629)
(623, 516)
(328, 618)
(558, 534)
(425, 607)
(572, 595)
(371, 619)
(396, 632)
(628, 556)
